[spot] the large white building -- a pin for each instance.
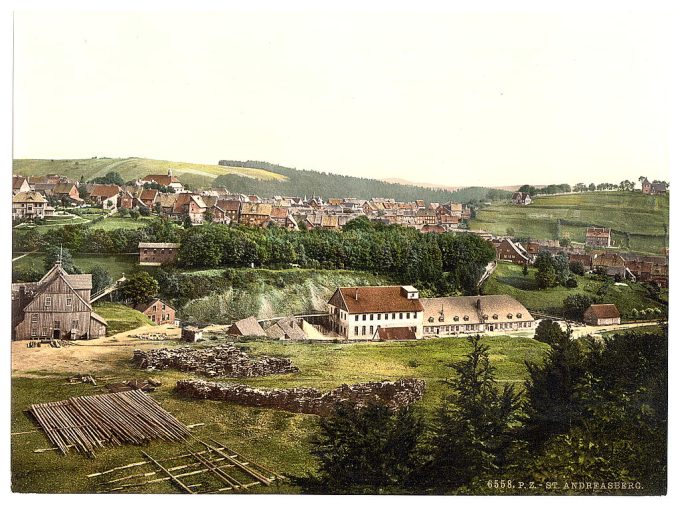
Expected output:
(368, 313)
(397, 313)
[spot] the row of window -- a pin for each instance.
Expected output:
(48, 303)
(164, 317)
(379, 316)
(363, 330)
(56, 325)
(475, 327)
(456, 318)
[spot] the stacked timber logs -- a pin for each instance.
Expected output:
(90, 422)
(305, 399)
(219, 361)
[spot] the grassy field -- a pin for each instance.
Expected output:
(643, 217)
(508, 279)
(117, 222)
(116, 265)
(120, 318)
(131, 168)
(275, 438)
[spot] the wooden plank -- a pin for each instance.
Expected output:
(172, 477)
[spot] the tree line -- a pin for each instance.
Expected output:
(303, 182)
(440, 263)
(592, 414)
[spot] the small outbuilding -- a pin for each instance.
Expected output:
(602, 315)
(246, 327)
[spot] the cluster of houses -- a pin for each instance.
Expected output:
(165, 194)
(625, 265)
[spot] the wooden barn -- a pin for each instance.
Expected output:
(56, 307)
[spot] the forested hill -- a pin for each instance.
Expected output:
(303, 182)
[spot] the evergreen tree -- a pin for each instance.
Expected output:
(472, 429)
(364, 450)
(54, 254)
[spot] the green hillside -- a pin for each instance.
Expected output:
(121, 318)
(196, 175)
(639, 222)
(301, 182)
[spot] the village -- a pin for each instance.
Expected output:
(359, 313)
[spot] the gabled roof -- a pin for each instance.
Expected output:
(249, 208)
(158, 245)
(598, 232)
(229, 205)
(63, 188)
(142, 307)
(279, 212)
(247, 327)
(105, 191)
(161, 179)
(18, 182)
(75, 282)
(604, 311)
(148, 194)
(374, 300)
(29, 197)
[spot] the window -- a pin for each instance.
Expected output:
(495, 316)
(386, 315)
(153, 308)
(363, 330)
(456, 318)
(408, 315)
(34, 331)
(74, 324)
(34, 317)
(163, 306)
(356, 317)
(394, 316)
(430, 319)
(363, 317)
(57, 324)
(378, 317)
(519, 315)
(48, 301)
(401, 316)
(43, 332)
(509, 315)
(356, 330)
(69, 301)
(371, 318)
(371, 330)
(153, 318)
(466, 318)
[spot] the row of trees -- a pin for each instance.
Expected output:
(302, 182)
(550, 189)
(591, 411)
(445, 262)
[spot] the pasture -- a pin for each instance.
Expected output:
(639, 222)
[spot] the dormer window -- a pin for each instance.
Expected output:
(495, 316)
(441, 318)
(509, 315)
(485, 317)
(465, 317)
(431, 319)
(519, 315)
(456, 318)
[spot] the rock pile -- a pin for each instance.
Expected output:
(219, 361)
(305, 399)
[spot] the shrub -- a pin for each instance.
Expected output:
(571, 283)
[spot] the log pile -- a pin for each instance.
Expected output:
(305, 399)
(87, 423)
(218, 361)
(148, 385)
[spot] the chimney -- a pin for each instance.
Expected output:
(356, 293)
(479, 304)
(170, 172)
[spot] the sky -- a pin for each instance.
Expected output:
(453, 98)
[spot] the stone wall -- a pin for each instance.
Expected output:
(219, 361)
(307, 400)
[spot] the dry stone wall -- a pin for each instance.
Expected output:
(219, 361)
(307, 400)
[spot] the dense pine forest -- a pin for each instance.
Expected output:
(303, 182)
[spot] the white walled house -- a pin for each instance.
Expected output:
(357, 313)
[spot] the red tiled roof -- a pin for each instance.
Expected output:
(604, 311)
(105, 191)
(376, 300)
(597, 232)
(396, 333)
(161, 179)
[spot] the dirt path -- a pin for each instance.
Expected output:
(85, 356)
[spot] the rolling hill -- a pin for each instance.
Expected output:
(195, 175)
(639, 222)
